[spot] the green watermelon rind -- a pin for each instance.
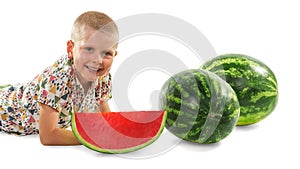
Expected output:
(116, 151)
(253, 107)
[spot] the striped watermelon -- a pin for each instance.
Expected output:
(254, 83)
(200, 106)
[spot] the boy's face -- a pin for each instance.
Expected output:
(93, 55)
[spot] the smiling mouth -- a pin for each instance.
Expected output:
(94, 69)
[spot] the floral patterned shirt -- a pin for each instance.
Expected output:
(57, 87)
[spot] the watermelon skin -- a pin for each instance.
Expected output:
(118, 132)
(253, 81)
(200, 106)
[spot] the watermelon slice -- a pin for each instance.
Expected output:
(118, 132)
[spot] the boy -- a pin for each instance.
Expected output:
(73, 83)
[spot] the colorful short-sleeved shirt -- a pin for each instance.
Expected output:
(57, 87)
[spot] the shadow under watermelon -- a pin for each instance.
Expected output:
(196, 147)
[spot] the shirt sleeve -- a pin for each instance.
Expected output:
(52, 86)
(53, 90)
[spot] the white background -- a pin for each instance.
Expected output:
(34, 33)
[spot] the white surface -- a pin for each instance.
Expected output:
(34, 33)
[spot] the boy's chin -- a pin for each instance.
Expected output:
(97, 76)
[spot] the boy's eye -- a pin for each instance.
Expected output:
(89, 49)
(108, 54)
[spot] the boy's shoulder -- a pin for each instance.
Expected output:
(62, 66)
(63, 63)
(60, 71)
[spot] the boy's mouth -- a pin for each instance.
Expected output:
(94, 69)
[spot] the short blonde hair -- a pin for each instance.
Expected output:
(95, 20)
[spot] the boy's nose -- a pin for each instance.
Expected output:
(98, 58)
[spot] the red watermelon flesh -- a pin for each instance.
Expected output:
(118, 132)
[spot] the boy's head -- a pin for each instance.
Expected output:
(93, 45)
(97, 21)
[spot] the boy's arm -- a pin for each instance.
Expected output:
(104, 107)
(49, 133)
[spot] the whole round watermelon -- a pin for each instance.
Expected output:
(200, 106)
(253, 81)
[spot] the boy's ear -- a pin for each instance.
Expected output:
(70, 46)
(116, 53)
